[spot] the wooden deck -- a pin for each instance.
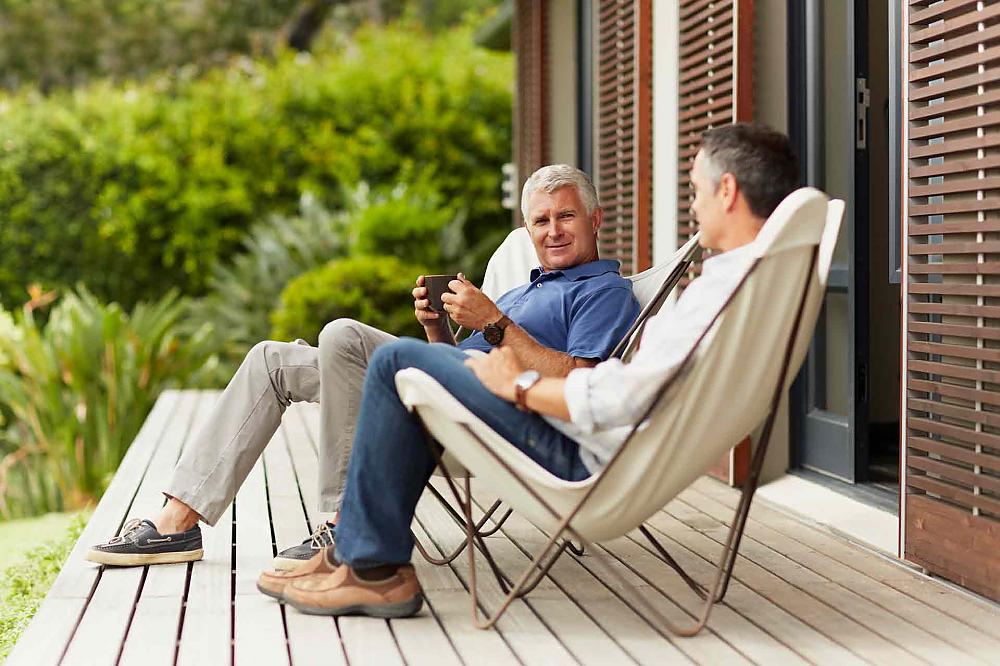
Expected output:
(800, 594)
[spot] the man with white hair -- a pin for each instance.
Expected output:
(571, 314)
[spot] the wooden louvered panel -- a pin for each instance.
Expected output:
(530, 112)
(624, 135)
(715, 84)
(953, 292)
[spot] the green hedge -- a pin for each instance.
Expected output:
(134, 190)
(374, 290)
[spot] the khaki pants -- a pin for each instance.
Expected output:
(272, 376)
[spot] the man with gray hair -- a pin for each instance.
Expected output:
(571, 314)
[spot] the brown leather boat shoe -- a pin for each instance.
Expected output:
(273, 583)
(344, 593)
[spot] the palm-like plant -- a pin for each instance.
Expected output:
(75, 391)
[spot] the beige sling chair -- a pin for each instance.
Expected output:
(508, 268)
(729, 384)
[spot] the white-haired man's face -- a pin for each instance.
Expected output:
(563, 234)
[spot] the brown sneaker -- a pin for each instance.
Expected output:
(273, 583)
(343, 593)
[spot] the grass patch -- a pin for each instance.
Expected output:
(24, 584)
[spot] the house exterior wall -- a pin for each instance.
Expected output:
(665, 87)
(562, 77)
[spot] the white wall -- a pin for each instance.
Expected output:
(665, 86)
(562, 47)
(770, 92)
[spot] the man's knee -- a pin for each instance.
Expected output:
(340, 335)
(259, 352)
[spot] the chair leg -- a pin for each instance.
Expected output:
(497, 524)
(449, 558)
(513, 591)
(695, 586)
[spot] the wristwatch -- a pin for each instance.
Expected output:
(494, 332)
(522, 383)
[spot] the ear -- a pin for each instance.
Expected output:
(597, 218)
(729, 189)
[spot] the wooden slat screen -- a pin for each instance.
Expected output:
(531, 97)
(715, 84)
(623, 171)
(953, 292)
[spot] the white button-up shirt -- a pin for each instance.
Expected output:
(605, 401)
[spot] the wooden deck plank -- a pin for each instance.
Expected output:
(369, 641)
(522, 629)
(207, 633)
(626, 627)
(449, 602)
(737, 633)
(259, 634)
(774, 620)
(805, 581)
(851, 602)
(981, 620)
(687, 545)
(311, 639)
(156, 622)
(46, 637)
(914, 624)
(107, 620)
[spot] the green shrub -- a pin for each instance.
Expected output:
(24, 585)
(76, 391)
(244, 289)
(137, 189)
(408, 224)
(375, 290)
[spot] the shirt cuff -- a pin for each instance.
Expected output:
(576, 392)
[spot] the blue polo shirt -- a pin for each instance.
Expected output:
(583, 311)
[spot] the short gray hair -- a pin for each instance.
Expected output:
(554, 176)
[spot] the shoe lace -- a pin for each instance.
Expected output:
(322, 536)
(128, 529)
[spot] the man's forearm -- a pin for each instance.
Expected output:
(531, 354)
(547, 397)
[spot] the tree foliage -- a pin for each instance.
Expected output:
(141, 188)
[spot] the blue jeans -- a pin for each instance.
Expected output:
(391, 462)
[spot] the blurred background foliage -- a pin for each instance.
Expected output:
(180, 179)
(75, 391)
(139, 188)
(363, 288)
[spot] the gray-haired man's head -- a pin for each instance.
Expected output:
(550, 178)
(562, 215)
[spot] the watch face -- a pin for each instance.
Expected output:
(527, 379)
(493, 334)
